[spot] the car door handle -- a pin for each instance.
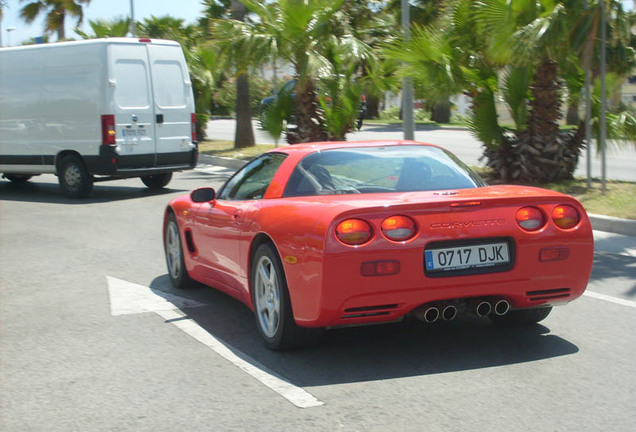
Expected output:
(238, 215)
(159, 118)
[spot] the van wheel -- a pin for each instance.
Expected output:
(18, 178)
(75, 181)
(157, 181)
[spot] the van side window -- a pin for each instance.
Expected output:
(169, 85)
(132, 84)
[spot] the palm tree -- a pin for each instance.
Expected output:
(298, 31)
(117, 27)
(56, 12)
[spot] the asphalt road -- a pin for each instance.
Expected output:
(77, 356)
(621, 161)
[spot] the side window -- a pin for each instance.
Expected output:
(252, 181)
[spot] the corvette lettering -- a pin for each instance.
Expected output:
(469, 224)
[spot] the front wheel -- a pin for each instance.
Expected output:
(521, 317)
(75, 181)
(157, 181)
(272, 305)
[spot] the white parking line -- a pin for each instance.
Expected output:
(611, 299)
(292, 393)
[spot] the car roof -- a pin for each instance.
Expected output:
(308, 148)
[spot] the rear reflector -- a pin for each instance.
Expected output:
(380, 268)
(554, 254)
(354, 232)
(108, 130)
(398, 228)
(530, 218)
(565, 217)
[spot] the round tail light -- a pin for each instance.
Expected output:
(398, 228)
(565, 216)
(354, 232)
(530, 218)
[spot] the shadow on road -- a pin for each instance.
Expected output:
(380, 352)
(612, 265)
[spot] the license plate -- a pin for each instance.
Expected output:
(467, 257)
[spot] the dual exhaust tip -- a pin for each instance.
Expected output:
(432, 313)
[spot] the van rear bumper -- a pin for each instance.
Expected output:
(109, 163)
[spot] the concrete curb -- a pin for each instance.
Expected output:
(599, 222)
(613, 224)
(221, 161)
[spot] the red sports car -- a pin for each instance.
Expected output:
(332, 234)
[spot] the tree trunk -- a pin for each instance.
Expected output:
(244, 133)
(572, 118)
(441, 112)
(61, 31)
(309, 118)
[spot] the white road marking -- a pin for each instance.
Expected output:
(129, 298)
(280, 385)
(610, 299)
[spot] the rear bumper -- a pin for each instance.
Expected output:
(344, 297)
(109, 163)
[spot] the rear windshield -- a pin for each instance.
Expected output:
(379, 169)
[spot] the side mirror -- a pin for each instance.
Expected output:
(203, 195)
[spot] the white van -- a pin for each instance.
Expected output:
(96, 110)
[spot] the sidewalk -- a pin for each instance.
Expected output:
(626, 227)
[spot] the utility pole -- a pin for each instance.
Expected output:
(588, 109)
(407, 84)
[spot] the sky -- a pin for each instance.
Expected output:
(189, 10)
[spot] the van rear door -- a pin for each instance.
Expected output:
(134, 110)
(173, 103)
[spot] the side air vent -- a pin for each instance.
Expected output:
(548, 294)
(190, 242)
(369, 311)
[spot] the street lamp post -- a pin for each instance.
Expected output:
(407, 84)
(132, 19)
(9, 30)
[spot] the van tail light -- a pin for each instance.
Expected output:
(530, 218)
(354, 232)
(565, 216)
(193, 126)
(108, 130)
(399, 228)
(145, 40)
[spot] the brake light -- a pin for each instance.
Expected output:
(398, 228)
(193, 127)
(530, 218)
(108, 130)
(565, 216)
(354, 232)
(145, 40)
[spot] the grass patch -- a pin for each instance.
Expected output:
(619, 200)
(226, 149)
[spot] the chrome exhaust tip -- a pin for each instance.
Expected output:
(428, 314)
(449, 313)
(483, 309)
(502, 307)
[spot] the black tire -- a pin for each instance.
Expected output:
(75, 181)
(174, 254)
(272, 305)
(157, 181)
(18, 178)
(521, 317)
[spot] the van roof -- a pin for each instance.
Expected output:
(114, 40)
